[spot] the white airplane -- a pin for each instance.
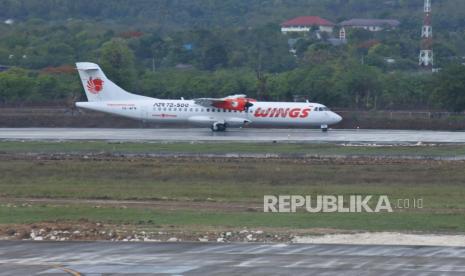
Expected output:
(233, 111)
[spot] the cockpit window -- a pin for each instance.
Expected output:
(321, 108)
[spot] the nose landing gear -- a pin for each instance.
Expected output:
(324, 128)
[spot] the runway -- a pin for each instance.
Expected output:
(234, 135)
(107, 258)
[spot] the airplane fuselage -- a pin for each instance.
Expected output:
(282, 114)
(219, 113)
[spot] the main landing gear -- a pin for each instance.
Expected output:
(218, 127)
(324, 128)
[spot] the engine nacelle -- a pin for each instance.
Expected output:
(239, 104)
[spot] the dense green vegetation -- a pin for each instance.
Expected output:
(228, 47)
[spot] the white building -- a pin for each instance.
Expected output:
(373, 25)
(306, 23)
(9, 21)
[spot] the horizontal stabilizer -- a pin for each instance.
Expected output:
(87, 66)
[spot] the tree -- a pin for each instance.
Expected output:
(315, 83)
(117, 60)
(215, 56)
(361, 83)
(450, 88)
(16, 86)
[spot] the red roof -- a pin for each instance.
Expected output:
(308, 21)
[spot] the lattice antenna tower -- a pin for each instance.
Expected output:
(426, 51)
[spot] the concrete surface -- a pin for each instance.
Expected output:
(106, 258)
(384, 238)
(238, 135)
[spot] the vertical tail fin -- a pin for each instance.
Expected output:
(98, 88)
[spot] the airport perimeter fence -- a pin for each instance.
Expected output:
(395, 114)
(353, 119)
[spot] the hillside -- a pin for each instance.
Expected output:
(174, 48)
(181, 14)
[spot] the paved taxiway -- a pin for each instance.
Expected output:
(234, 135)
(97, 258)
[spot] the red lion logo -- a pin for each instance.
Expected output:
(94, 85)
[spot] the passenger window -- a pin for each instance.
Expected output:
(208, 109)
(190, 110)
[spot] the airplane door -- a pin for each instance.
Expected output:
(145, 112)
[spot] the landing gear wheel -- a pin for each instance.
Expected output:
(218, 127)
(324, 128)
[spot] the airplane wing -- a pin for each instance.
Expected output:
(208, 120)
(235, 102)
(207, 102)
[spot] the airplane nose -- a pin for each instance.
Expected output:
(337, 118)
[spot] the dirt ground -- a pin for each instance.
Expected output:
(89, 231)
(164, 205)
